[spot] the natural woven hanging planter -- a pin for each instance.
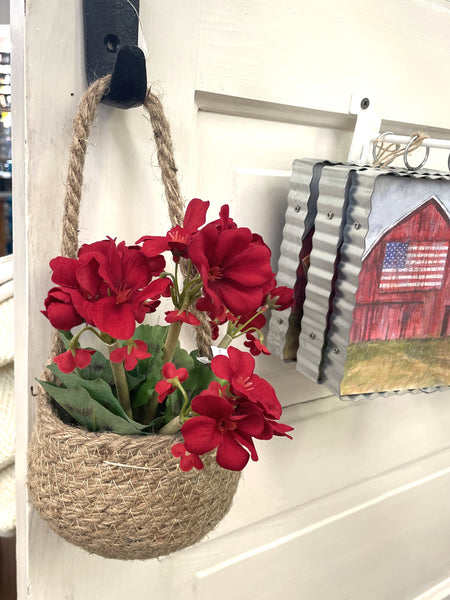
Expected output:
(120, 496)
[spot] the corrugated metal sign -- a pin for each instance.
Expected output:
(376, 310)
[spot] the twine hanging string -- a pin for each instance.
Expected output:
(386, 153)
(82, 123)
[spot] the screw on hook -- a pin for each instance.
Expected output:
(365, 103)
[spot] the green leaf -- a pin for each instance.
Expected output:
(182, 359)
(99, 368)
(66, 336)
(145, 391)
(154, 336)
(199, 379)
(98, 389)
(89, 413)
(133, 380)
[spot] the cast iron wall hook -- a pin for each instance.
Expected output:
(110, 44)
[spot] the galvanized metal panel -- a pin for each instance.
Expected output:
(300, 216)
(329, 225)
(352, 250)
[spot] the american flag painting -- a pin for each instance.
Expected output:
(413, 265)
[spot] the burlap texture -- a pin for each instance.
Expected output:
(142, 507)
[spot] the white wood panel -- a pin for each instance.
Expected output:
(372, 473)
(317, 54)
(375, 551)
(226, 143)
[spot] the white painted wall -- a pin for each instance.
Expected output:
(355, 506)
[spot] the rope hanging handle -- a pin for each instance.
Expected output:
(82, 123)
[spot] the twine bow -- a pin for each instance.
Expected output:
(386, 153)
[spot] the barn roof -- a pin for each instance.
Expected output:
(394, 198)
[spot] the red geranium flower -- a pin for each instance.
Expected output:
(171, 374)
(215, 311)
(179, 237)
(187, 461)
(60, 311)
(217, 427)
(234, 266)
(183, 316)
(237, 368)
(69, 360)
(255, 345)
(130, 354)
(111, 285)
(281, 298)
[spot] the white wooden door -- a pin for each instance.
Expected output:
(356, 505)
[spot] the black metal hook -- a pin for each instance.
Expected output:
(110, 44)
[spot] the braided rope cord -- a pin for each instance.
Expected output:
(82, 123)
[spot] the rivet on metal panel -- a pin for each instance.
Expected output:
(297, 208)
(280, 321)
(356, 225)
(312, 335)
(336, 350)
(330, 214)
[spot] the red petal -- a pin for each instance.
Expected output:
(64, 271)
(212, 406)
(118, 355)
(201, 435)
(169, 370)
(195, 215)
(232, 243)
(178, 450)
(231, 455)
(62, 316)
(65, 362)
(114, 319)
(186, 462)
(83, 357)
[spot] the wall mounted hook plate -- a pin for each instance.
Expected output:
(110, 43)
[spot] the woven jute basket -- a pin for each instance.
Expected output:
(120, 496)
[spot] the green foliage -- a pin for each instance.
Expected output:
(101, 414)
(89, 395)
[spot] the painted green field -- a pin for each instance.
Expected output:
(396, 365)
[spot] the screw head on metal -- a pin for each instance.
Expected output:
(297, 208)
(336, 350)
(312, 335)
(280, 321)
(330, 214)
(356, 225)
(365, 103)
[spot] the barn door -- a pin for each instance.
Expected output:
(352, 507)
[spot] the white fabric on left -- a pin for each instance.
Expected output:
(7, 406)
(7, 502)
(7, 416)
(6, 328)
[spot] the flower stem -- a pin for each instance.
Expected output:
(171, 341)
(168, 352)
(225, 341)
(171, 427)
(120, 379)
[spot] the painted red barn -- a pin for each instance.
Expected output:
(404, 289)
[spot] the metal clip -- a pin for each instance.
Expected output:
(110, 44)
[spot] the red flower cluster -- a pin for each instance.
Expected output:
(231, 415)
(234, 265)
(107, 286)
